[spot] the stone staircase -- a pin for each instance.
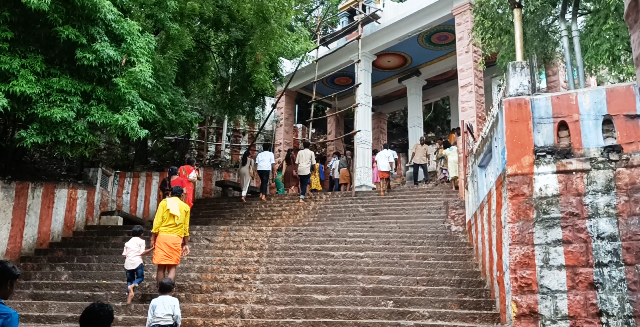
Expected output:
(338, 261)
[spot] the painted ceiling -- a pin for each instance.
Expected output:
(428, 47)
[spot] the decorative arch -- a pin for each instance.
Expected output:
(564, 134)
(609, 131)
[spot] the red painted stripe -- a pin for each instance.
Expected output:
(70, 212)
(576, 241)
(621, 101)
(91, 206)
(476, 244)
(18, 218)
(519, 136)
(147, 195)
(628, 197)
(133, 200)
(46, 215)
(469, 232)
(566, 108)
(483, 259)
(207, 186)
(502, 293)
(119, 194)
(490, 241)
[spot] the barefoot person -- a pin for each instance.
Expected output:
(384, 161)
(190, 173)
(266, 163)
(9, 274)
(305, 160)
(134, 250)
(170, 234)
(245, 174)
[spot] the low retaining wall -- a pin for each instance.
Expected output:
(34, 214)
(557, 233)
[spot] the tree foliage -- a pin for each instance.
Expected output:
(604, 36)
(78, 77)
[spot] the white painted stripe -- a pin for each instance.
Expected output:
(153, 202)
(114, 191)
(547, 237)
(479, 237)
(7, 195)
(141, 195)
(493, 250)
(32, 220)
(81, 210)
(59, 208)
(126, 194)
(199, 186)
(609, 272)
(505, 254)
(96, 206)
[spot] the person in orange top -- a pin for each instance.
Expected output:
(189, 172)
(170, 234)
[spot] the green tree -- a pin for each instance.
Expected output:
(604, 37)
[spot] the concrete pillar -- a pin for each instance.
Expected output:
(335, 128)
(556, 74)
(379, 130)
(415, 119)
(363, 180)
(286, 111)
(455, 111)
(632, 17)
(470, 75)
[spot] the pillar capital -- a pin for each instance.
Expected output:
(414, 82)
(460, 7)
(367, 60)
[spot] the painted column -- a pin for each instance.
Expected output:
(379, 129)
(286, 111)
(455, 111)
(415, 120)
(335, 128)
(363, 180)
(632, 16)
(470, 74)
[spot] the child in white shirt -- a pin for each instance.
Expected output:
(134, 249)
(164, 311)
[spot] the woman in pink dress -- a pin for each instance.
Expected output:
(376, 177)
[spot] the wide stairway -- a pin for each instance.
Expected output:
(338, 261)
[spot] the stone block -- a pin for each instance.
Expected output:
(111, 220)
(522, 257)
(523, 280)
(580, 279)
(518, 79)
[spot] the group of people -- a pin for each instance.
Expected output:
(299, 172)
(445, 155)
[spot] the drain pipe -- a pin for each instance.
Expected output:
(565, 42)
(575, 32)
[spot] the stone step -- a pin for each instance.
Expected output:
(254, 311)
(294, 229)
(344, 254)
(330, 206)
(232, 298)
(287, 232)
(103, 270)
(199, 240)
(51, 263)
(117, 287)
(193, 322)
(321, 213)
(391, 221)
(185, 278)
(218, 249)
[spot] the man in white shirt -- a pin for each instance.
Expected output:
(165, 309)
(305, 160)
(394, 168)
(332, 167)
(384, 160)
(266, 163)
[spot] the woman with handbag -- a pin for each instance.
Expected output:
(245, 174)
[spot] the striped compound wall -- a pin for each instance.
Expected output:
(557, 233)
(34, 214)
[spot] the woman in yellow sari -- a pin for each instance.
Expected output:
(316, 185)
(170, 234)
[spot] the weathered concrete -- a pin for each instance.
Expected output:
(518, 79)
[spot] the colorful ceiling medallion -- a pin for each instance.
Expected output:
(389, 61)
(339, 80)
(441, 37)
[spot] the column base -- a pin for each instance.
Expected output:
(362, 188)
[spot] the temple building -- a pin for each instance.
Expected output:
(417, 52)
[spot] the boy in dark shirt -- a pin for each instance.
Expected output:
(8, 276)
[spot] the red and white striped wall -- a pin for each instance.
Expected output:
(34, 214)
(139, 194)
